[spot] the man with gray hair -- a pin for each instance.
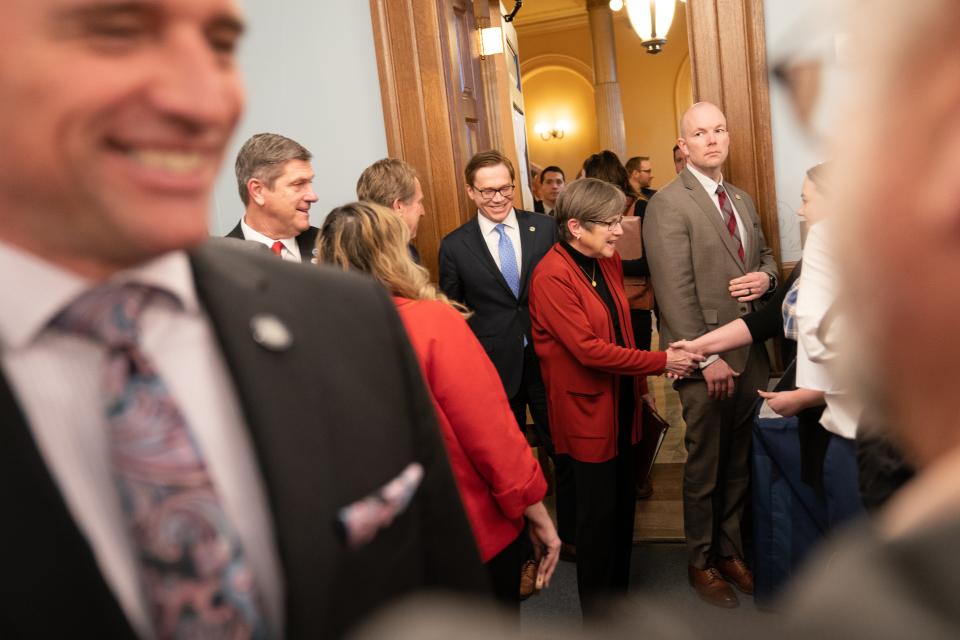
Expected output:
(394, 184)
(274, 177)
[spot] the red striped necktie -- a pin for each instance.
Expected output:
(727, 209)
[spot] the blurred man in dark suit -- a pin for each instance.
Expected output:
(166, 468)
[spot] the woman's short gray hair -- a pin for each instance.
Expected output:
(587, 200)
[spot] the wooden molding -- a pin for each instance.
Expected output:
(410, 62)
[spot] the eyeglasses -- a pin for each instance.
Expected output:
(609, 224)
(488, 194)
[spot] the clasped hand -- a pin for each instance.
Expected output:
(718, 375)
(681, 363)
(749, 287)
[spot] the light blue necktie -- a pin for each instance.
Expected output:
(508, 261)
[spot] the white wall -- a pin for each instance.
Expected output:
(311, 73)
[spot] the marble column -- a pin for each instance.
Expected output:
(610, 127)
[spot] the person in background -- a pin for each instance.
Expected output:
(275, 180)
(596, 380)
(485, 264)
(535, 187)
(500, 482)
(679, 159)
(641, 175)
(394, 184)
(552, 182)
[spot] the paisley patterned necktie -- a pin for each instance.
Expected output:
(192, 568)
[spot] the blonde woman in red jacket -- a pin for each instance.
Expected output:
(500, 482)
(595, 378)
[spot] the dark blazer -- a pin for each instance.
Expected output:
(306, 241)
(331, 421)
(469, 274)
(580, 359)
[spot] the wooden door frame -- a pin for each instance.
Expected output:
(729, 67)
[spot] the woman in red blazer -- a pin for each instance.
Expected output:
(595, 378)
(499, 480)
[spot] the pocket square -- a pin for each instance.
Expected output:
(360, 521)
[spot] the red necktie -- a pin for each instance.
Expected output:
(277, 247)
(727, 209)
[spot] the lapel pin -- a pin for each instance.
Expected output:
(533, 228)
(737, 196)
(270, 332)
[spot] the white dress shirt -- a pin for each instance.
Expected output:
(817, 341)
(488, 229)
(710, 186)
(55, 377)
(290, 251)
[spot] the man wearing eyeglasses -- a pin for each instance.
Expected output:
(486, 264)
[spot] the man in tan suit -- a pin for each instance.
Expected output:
(709, 262)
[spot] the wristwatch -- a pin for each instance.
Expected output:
(773, 283)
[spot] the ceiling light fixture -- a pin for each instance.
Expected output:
(651, 19)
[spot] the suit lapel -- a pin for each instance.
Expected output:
(712, 214)
(45, 549)
(272, 387)
(306, 242)
(528, 245)
(478, 246)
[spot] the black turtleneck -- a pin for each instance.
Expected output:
(588, 267)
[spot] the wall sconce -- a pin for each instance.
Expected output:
(651, 19)
(491, 41)
(545, 131)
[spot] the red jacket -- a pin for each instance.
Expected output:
(496, 473)
(580, 360)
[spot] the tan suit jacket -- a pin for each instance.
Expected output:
(692, 259)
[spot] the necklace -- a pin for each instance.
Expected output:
(592, 277)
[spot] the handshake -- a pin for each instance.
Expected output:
(681, 361)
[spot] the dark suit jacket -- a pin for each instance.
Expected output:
(306, 241)
(331, 421)
(469, 274)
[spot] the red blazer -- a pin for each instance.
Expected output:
(580, 360)
(496, 473)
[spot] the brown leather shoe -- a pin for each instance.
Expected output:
(712, 588)
(736, 571)
(528, 579)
